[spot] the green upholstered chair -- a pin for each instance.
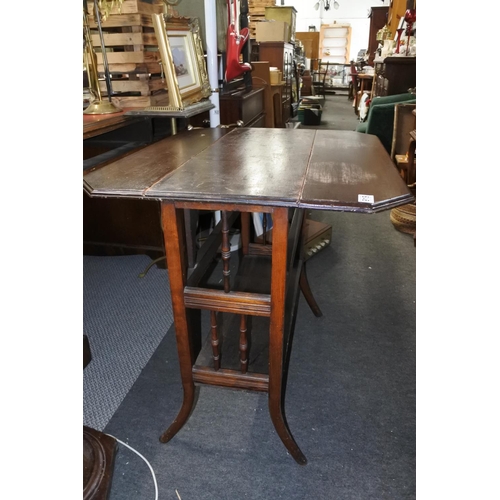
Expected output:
(380, 117)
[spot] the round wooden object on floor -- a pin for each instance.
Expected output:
(98, 461)
(404, 218)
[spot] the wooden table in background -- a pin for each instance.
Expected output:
(282, 172)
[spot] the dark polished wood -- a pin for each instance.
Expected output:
(247, 105)
(123, 225)
(396, 75)
(278, 171)
(99, 452)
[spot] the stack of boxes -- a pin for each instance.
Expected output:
(278, 26)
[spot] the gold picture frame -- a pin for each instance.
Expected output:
(183, 60)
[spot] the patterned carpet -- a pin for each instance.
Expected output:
(124, 327)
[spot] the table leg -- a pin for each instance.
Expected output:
(187, 330)
(307, 292)
(276, 334)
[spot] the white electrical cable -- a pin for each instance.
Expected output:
(149, 465)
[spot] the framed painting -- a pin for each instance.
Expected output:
(182, 56)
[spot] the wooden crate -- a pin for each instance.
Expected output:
(132, 53)
(158, 99)
(144, 84)
(257, 13)
(131, 45)
(132, 7)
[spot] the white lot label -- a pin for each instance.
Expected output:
(366, 198)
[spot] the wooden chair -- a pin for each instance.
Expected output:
(354, 84)
(319, 78)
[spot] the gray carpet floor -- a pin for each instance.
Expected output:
(350, 400)
(124, 326)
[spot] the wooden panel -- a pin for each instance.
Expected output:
(133, 174)
(241, 105)
(259, 167)
(132, 7)
(345, 165)
(243, 168)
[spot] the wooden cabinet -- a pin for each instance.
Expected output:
(335, 43)
(243, 104)
(395, 75)
(310, 40)
(281, 55)
(378, 19)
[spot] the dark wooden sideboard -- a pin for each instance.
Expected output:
(395, 75)
(243, 104)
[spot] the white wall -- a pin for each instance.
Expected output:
(353, 12)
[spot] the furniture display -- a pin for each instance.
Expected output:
(378, 19)
(396, 75)
(380, 118)
(281, 56)
(335, 43)
(297, 170)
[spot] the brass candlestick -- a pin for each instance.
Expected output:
(99, 106)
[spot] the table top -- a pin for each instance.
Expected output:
(322, 169)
